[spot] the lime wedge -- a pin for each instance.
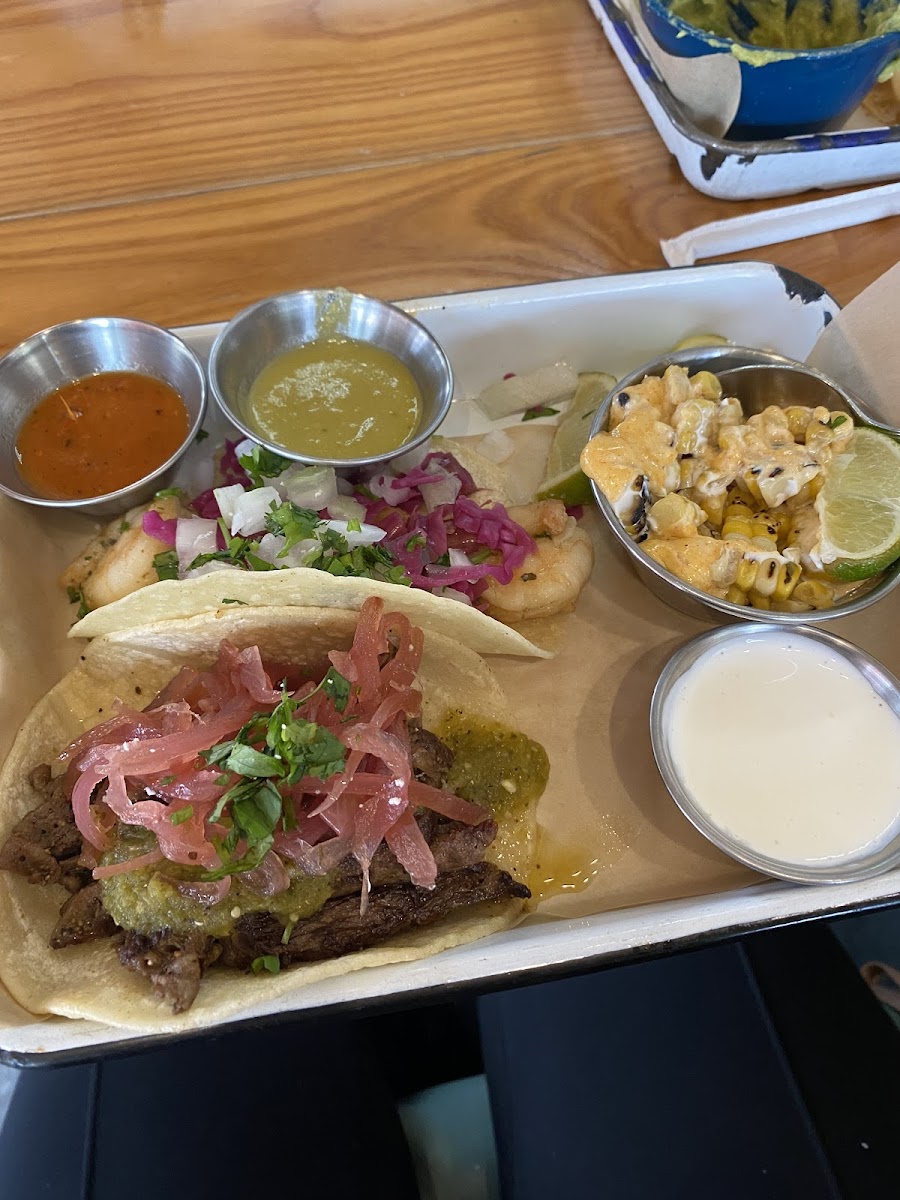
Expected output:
(696, 340)
(859, 507)
(564, 479)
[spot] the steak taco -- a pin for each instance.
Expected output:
(208, 814)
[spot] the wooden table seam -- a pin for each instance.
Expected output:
(287, 177)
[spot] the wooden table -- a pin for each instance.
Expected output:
(177, 159)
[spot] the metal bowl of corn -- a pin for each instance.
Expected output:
(764, 576)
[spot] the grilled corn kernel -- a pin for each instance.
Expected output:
(746, 575)
(791, 606)
(814, 593)
(705, 386)
(798, 417)
(786, 581)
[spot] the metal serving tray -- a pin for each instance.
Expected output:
(616, 321)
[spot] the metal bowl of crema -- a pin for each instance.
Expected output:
(331, 378)
(77, 352)
(758, 378)
(809, 789)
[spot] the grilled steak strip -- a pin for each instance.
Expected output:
(83, 919)
(45, 837)
(453, 845)
(338, 928)
(173, 963)
(431, 759)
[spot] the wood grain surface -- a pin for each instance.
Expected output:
(176, 159)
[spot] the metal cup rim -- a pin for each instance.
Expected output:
(235, 418)
(25, 347)
(890, 578)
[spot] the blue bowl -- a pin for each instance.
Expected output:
(800, 91)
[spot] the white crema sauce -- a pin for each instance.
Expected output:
(786, 746)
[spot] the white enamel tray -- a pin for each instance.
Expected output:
(616, 321)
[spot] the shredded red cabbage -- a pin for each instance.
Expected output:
(158, 527)
(417, 540)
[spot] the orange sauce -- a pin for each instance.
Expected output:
(101, 433)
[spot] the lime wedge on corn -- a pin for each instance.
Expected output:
(859, 507)
(564, 479)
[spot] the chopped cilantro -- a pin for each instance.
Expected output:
(288, 930)
(480, 556)
(337, 687)
(539, 410)
(166, 564)
(836, 421)
(271, 750)
(171, 491)
(261, 464)
(166, 780)
(229, 600)
(124, 526)
(416, 542)
(293, 523)
(201, 435)
(244, 760)
(182, 814)
(353, 525)
(76, 596)
(266, 962)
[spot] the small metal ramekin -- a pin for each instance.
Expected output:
(757, 378)
(846, 870)
(63, 353)
(263, 331)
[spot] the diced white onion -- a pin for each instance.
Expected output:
(209, 568)
(227, 498)
(345, 508)
(382, 486)
(193, 536)
(497, 446)
(344, 486)
(251, 509)
(444, 492)
(449, 593)
(411, 459)
(309, 487)
(366, 535)
(247, 446)
(459, 558)
(270, 547)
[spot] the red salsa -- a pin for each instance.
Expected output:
(101, 433)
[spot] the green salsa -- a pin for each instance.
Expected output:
(144, 900)
(335, 397)
(505, 772)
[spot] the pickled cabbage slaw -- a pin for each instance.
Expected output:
(243, 767)
(411, 522)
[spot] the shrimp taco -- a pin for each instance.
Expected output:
(208, 814)
(439, 540)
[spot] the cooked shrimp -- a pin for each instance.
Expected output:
(550, 580)
(119, 560)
